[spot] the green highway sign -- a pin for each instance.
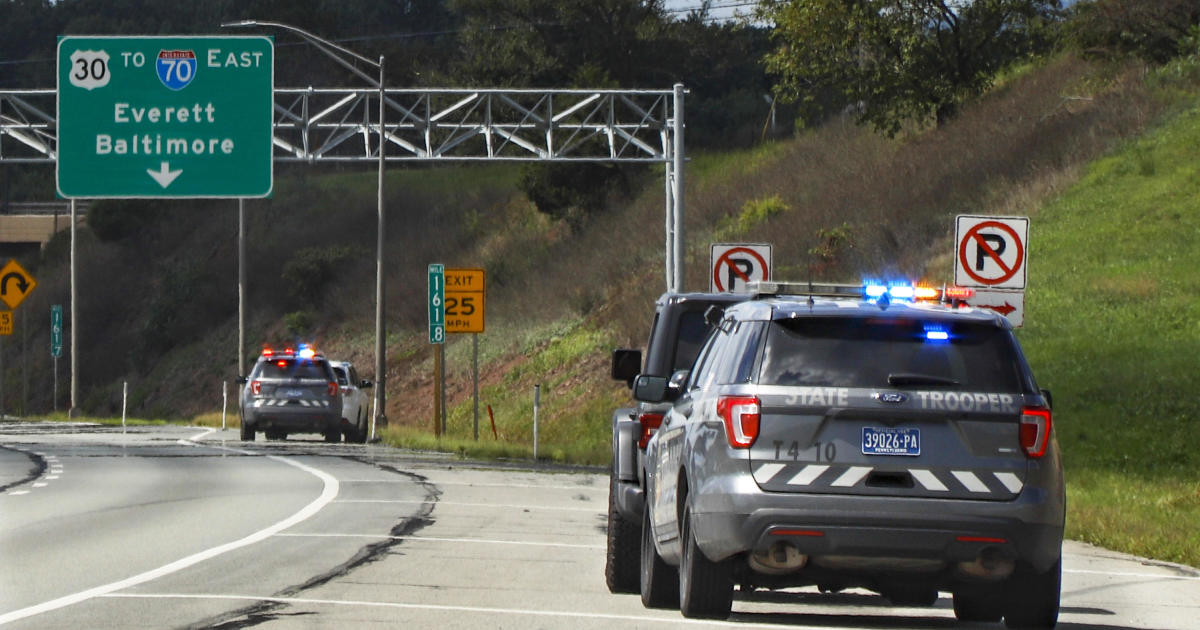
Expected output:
(179, 117)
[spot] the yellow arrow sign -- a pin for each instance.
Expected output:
(15, 284)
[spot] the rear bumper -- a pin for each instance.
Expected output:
(293, 420)
(1029, 528)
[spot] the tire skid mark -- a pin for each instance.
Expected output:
(271, 607)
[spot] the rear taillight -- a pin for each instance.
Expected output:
(741, 415)
(333, 389)
(345, 391)
(256, 387)
(1035, 430)
(650, 423)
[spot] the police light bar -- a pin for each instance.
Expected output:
(870, 291)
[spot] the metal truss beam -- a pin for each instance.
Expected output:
(341, 125)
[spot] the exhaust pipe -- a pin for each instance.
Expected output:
(993, 563)
(779, 559)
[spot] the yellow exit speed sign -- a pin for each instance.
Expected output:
(465, 289)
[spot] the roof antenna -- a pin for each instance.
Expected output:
(811, 301)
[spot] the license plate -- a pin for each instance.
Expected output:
(891, 441)
(293, 393)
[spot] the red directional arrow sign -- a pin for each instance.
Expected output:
(1010, 304)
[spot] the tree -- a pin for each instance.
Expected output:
(898, 60)
(1153, 31)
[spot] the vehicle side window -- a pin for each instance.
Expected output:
(691, 335)
(704, 362)
(738, 363)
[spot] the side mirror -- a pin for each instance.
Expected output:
(365, 384)
(626, 364)
(1049, 398)
(651, 389)
(242, 380)
(678, 381)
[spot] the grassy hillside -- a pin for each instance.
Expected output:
(1114, 331)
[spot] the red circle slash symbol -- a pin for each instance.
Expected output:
(985, 251)
(739, 268)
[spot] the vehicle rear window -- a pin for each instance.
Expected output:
(292, 368)
(341, 376)
(863, 352)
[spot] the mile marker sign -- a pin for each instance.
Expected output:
(991, 252)
(180, 117)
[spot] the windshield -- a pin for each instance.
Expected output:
(889, 352)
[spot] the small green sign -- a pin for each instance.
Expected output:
(437, 303)
(180, 117)
(56, 330)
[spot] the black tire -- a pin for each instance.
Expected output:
(360, 434)
(622, 562)
(247, 432)
(659, 581)
(705, 587)
(979, 603)
(1031, 598)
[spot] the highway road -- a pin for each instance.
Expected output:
(179, 527)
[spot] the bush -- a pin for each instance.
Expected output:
(307, 273)
(116, 219)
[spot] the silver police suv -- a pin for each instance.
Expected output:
(291, 391)
(841, 437)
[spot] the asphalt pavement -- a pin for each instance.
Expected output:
(161, 527)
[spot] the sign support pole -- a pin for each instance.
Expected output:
(73, 411)
(241, 245)
(475, 378)
(437, 389)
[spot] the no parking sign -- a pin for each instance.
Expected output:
(991, 252)
(735, 264)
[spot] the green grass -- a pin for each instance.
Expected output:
(1113, 330)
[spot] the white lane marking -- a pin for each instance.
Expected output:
(51, 476)
(199, 436)
(40, 484)
(17, 493)
(808, 475)
(675, 620)
(481, 541)
(852, 476)
(968, 479)
(507, 506)
(328, 493)
(929, 480)
(1010, 481)
(481, 485)
(1159, 576)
